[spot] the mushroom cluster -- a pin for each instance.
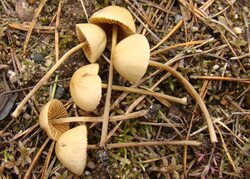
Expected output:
(130, 58)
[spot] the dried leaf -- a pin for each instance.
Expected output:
(7, 102)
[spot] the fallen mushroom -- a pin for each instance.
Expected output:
(71, 149)
(89, 33)
(92, 48)
(129, 54)
(131, 57)
(117, 17)
(86, 88)
(55, 121)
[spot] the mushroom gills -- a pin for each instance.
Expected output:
(54, 109)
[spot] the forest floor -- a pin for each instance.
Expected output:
(208, 42)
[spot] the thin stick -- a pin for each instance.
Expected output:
(100, 119)
(109, 90)
(150, 93)
(177, 45)
(176, 27)
(39, 9)
(226, 149)
(194, 94)
(35, 159)
(18, 110)
(144, 144)
(242, 80)
(26, 27)
(58, 13)
(84, 10)
(46, 163)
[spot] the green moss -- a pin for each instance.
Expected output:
(65, 41)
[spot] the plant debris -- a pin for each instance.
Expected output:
(207, 42)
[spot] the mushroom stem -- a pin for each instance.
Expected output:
(109, 90)
(193, 93)
(18, 110)
(100, 119)
(151, 143)
(150, 93)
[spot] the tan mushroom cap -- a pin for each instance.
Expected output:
(96, 39)
(115, 15)
(131, 57)
(71, 149)
(86, 87)
(54, 109)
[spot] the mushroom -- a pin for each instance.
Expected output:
(55, 121)
(129, 54)
(122, 21)
(131, 57)
(71, 149)
(96, 39)
(114, 15)
(93, 40)
(86, 88)
(53, 110)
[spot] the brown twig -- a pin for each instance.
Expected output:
(226, 149)
(177, 45)
(242, 80)
(45, 173)
(109, 90)
(26, 27)
(176, 27)
(37, 12)
(27, 174)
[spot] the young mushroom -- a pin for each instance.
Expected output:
(93, 40)
(131, 57)
(122, 22)
(129, 54)
(97, 43)
(71, 149)
(86, 88)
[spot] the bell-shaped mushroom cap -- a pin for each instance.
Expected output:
(115, 15)
(71, 149)
(86, 87)
(96, 39)
(54, 109)
(131, 57)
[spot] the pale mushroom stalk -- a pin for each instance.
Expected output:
(193, 93)
(109, 90)
(182, 100)
(86, 81)
(112, 16)
(136, 48)
(122, 117)
(53, 118)
(18, 110)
